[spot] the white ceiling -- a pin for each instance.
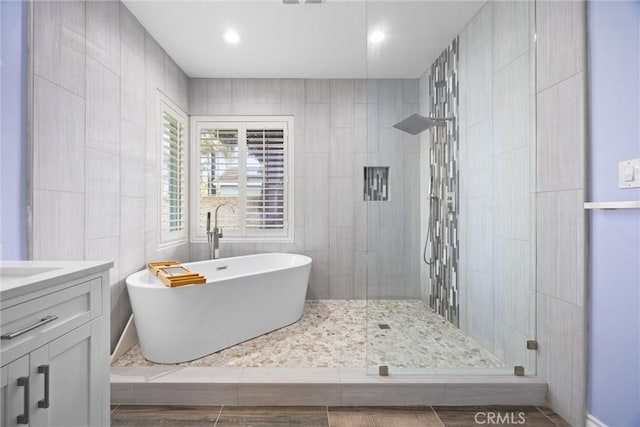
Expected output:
(327, 40)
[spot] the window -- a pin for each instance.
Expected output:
(173, 176)
(244, 162)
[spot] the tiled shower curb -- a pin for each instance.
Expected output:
(316, 386)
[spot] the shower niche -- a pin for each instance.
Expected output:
(376, 183)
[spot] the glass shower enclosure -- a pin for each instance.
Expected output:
(447, 183)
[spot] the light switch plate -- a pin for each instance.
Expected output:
(629, 173)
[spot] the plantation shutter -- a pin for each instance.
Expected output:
(219, 175)
(265, 206)
(173, 176)
(245, 164)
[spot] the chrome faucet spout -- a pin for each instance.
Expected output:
(215, 220)
(214, 236)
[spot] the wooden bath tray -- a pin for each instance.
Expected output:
(173, 274)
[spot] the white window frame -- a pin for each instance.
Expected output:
(167, 238)
(242, 123)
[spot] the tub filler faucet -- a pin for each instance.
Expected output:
(213, 237)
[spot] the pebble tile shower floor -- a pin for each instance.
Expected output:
(333, 334)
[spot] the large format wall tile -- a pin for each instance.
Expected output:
(59, 48)
(561, 136)
(316, 235)
(342, 152)
(132, 245)
(342, 100)
(293, 100)
(268, 91)
(479, 101)
(132, 33)
(132, 160)
(154, 66)
(511, 110)
(341, 262)
(510, 31)
(479, 29)
(58, 225)
(198, 97)
(58, 141)
(81, 145)
(335, 130)
(107, 248)
(132, 86)
(390, 102)
(102, 108)
(103, 199)
(480, 235)
(317, 91)
(560, 222)
(176, 83)
(560, 30)
(103, 33)
(478, 171)
(319, 279)
(481, 311)
(341, 200)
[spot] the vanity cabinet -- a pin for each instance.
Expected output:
(55, 366)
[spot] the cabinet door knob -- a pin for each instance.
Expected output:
(44, 369)
(24, 382)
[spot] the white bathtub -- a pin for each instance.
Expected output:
(244, 297)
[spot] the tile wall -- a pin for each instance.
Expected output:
(96, 76)
(560, 217)
(443, 179)
(497, 285)
(341, 126)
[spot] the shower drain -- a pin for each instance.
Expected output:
(384, 326)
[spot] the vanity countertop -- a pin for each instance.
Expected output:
(21, 277)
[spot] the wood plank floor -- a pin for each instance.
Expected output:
(312, 416)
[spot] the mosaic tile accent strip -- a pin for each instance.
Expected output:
(331, 334)
(443, 98)
(376, 183)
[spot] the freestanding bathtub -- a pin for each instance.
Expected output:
(244, 297)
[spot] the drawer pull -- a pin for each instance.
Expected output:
(42, 321)
(44, 369)
(24, 382)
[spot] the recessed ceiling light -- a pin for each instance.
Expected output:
(376, 37)
(232, 37)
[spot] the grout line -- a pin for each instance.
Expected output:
(437, 416)
(215, 423)
(59, 86)
(539, 91)
(547, 416)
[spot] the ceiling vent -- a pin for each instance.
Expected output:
(300, 1)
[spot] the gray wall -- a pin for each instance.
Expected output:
(95, 139)
(340, 126)
(497, 181)
(560, 217)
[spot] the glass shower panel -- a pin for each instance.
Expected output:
(451, 245)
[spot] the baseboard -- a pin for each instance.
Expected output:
(128, 339)
(594, 422)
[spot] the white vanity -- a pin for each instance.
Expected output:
(55, 343)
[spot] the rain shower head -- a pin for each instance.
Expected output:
(416, 123)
